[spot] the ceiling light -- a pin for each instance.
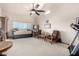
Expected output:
(33, 12)
(47, 12)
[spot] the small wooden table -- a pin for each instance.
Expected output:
(4, 46)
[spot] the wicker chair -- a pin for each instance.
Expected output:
(55, 37)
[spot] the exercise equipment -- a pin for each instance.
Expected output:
(74, 50)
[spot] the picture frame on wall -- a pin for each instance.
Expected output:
(77, 20)
(47, 26)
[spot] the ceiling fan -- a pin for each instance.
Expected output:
(36, 10)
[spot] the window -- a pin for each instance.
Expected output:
(21, 25)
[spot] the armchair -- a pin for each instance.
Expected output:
(55, 37)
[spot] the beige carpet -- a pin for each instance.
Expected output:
(36, 47)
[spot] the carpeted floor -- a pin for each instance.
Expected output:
(36, 47)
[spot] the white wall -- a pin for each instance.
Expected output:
(16, 12)
(14, 17)
(0, 12)
(61, 16)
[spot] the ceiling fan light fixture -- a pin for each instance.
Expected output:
(32, 12)
(47, 12)
(36, 10)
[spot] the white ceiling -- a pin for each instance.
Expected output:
(22, 9)
(17, 8)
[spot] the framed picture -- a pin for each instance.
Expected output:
(77, 20)
(47, 26)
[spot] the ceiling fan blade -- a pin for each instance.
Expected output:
(32, 9)
(37, 5)
(37, 12)
(40, 10)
